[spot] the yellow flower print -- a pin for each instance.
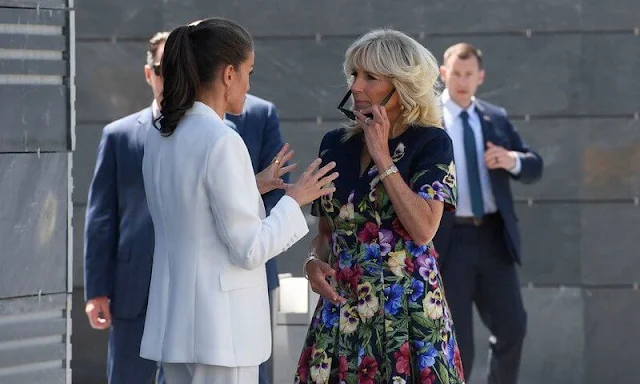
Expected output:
(368, 303)
(327, 200)
(450, 178)
(320, 371)
(349, 319)
(396, 262)
(432, 304)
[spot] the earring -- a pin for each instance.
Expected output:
(402, 107)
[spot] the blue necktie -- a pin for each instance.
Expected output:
(473, 171)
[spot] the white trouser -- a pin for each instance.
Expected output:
(178, 373)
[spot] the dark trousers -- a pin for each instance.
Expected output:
(124, 364)
(477, 268)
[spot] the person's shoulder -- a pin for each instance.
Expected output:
(430, 136)
(255, 104)
(125, 124)
(490, 109)
(335, 137)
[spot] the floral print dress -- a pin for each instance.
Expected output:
(395, 326)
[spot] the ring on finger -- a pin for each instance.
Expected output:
(276, 161)
(367, 120)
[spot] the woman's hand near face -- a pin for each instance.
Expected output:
(376, 131)
(313, 183)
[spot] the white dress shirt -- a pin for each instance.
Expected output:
(453, 125)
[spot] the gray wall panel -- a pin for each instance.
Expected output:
(27, 305)
(31, 354)
(110, 81)
(36, 328)
(34, 3)
(47, 376)
(31, 334)
(550, 243)
(610, 15)
(616, 87)
(118, 18)
(32, 16)
(584, 158)
(612, 340)
(42, 123)
(78, 245)
(43, 42)
(611, 159)
(34, 67)
(609, 245)
(338, 17)
(304, 78)
(535, 75)
(85, 160)
(34, 226)
(554, 317)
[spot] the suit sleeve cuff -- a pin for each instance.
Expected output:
(295, 216)
(515, 171)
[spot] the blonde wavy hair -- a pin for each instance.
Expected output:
(412, 69)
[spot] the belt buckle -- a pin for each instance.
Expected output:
(477, 221)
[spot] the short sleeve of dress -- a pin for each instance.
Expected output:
(324, 147)
(433, 175)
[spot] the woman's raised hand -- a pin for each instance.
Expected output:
(313, 183)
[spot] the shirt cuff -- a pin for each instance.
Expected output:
(515, 171)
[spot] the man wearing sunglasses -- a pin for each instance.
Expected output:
(119, 237)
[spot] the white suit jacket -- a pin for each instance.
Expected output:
(208, 300)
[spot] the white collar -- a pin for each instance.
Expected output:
(200, 108)
(453, 108)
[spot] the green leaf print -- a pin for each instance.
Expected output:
(363, 206)
(443, 373)
(417, 176)
(397, 341)
(423, 321)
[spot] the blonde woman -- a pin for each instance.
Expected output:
(385, 318)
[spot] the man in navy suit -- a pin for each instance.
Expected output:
(479, 244)
(119, 237)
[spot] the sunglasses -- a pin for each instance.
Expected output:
(351, 115)
(157, 69)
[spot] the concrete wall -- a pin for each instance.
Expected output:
(566, 70)
(36, 139)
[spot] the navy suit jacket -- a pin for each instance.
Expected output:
(497, 129)
(259, 127)
(119, 238)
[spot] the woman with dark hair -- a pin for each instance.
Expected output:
(208, 316)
